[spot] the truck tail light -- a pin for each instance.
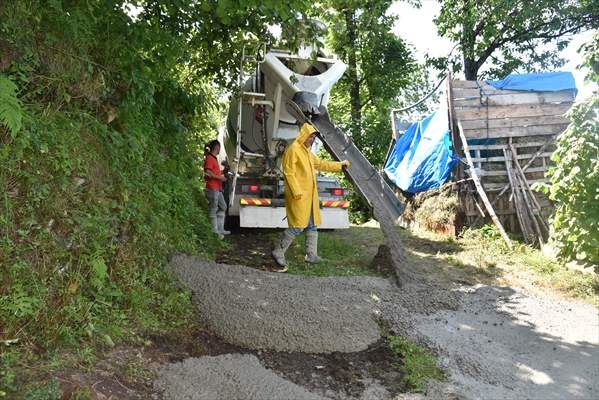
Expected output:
(337, 191)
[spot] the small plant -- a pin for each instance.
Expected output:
(82, 394)
(455, 261)
(7, 372)
(419, 365)
(47, 391)
(11, 114)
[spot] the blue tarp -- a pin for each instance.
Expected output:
(537, 82)
(422, 157)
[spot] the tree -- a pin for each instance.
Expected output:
(512, 34)
(380, 65)
(574, 183)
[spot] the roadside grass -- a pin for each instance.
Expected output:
(419, 365)
(481, 256)
(346, 252)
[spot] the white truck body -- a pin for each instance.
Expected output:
(254, 140)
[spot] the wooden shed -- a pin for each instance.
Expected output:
(507, 137)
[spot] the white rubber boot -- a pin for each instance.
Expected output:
(220, 217)
(280, 248)
(312, 248)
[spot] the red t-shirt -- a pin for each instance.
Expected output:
(211, 164)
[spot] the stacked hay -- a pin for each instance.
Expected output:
(436, 210)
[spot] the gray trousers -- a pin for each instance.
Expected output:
(216, 203)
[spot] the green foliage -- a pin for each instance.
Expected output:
(102, 183)
(48, 391)
(574, 185)
(380, 67)
(419, 365)
(8, 376)
(11, 114)
(506, 36)
(381, 71)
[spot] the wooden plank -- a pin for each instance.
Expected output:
(506, 98)
(534, 130)
(510, 122)
(467, 102)
(518, 201)
(512, 111)
(526, 193)
(472, 97)
(503, 146)
(460, 84)
(474, 92)
(480, 189)
(459, 171)
(504, 173)
(498, 187)
(534, 203)
(519, 156)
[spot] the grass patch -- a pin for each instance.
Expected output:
(345, 252)
(480, 255)
(419, 365)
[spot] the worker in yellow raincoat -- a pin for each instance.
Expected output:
(302, 205)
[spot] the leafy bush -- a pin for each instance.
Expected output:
(100, 180)
(575, 185)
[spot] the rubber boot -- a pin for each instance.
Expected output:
(312, 247)
(280, 248)
(220, 219)
(214, 223)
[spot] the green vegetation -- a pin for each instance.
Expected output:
(481, 256)
(419, 365)
(574, 183)
(498, 37)
(102, 120)
(380, 67)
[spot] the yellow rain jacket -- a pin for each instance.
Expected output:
(301, 192)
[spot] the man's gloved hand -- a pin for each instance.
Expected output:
(297, 196)
(345, 163)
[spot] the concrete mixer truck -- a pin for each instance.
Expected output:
(259, 127)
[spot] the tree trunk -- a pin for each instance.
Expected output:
(352, 63)
(470, 69)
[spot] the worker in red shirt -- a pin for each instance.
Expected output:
(214, 179)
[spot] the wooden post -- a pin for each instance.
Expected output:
(480, 190)
(524, 168)
(530, 192)
(454, 136)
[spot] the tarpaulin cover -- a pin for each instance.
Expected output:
(422, 157)
(537, 82)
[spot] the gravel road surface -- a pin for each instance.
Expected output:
(493, 342)
(231, 376)
(268, 310)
